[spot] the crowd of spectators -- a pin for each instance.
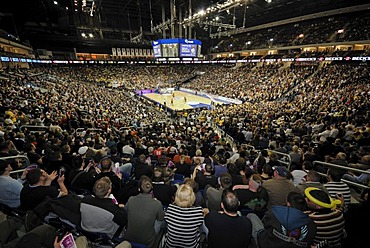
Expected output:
(309, 112)
(351, 27)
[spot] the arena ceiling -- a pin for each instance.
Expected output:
(47, 23)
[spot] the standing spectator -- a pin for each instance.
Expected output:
(227, 228)
(142, 212)
(279, 187)
(183, 220)
(329, 221)
(296, 158)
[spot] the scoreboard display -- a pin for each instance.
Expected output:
(177, 48)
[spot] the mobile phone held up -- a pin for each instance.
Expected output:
(62, 171)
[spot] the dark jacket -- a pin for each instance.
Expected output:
(286, 227)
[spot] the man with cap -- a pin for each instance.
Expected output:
(329, 220)
(10, 187)
(279, 187)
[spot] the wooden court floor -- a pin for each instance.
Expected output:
(179, 100)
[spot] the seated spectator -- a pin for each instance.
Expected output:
(227, 228)
(100, 214)
(253, 197)
(330, 222)
(10, 187)
(204, 175)
(363, 178)
(299, 175)
(213, 195)
(312, 179)
(143, 211)
(38, 188)
(183, 219)
(78, 177)
(279, 187)
(182, 167)
(336, 188)
(165, 193)
(140, 168)
(221, 167)
(267, 172)
(115, 178)
(199, 196)
(363, 164)
(198, 155)
(12, 235)
(285, 226)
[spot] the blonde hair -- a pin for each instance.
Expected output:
(198, 152)
(185, 196)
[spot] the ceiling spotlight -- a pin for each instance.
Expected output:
(83, 35)
(91, 35)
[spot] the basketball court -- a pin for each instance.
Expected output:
(179, 103)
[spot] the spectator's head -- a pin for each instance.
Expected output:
(145, 185)
(77, 162)
(225, 180)
(102, 187)
(192, 183)
(296, 200)
(185, 196)
(229, 201)
(307, 165)
(365, 160)
(318, 199)
(334, 174)
(158, 175)
(198, 153)
(313, 176)
(280, 172)
(35, 176)
(267, 169)
(3, 166)
(106, 164)
(255, 181)
(341, 156)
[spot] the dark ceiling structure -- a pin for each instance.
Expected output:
(87, 24)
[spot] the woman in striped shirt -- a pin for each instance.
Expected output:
(183, 220)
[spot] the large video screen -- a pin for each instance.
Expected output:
(175, 48)
(188, 50)
(170, 50)
(157, 51)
